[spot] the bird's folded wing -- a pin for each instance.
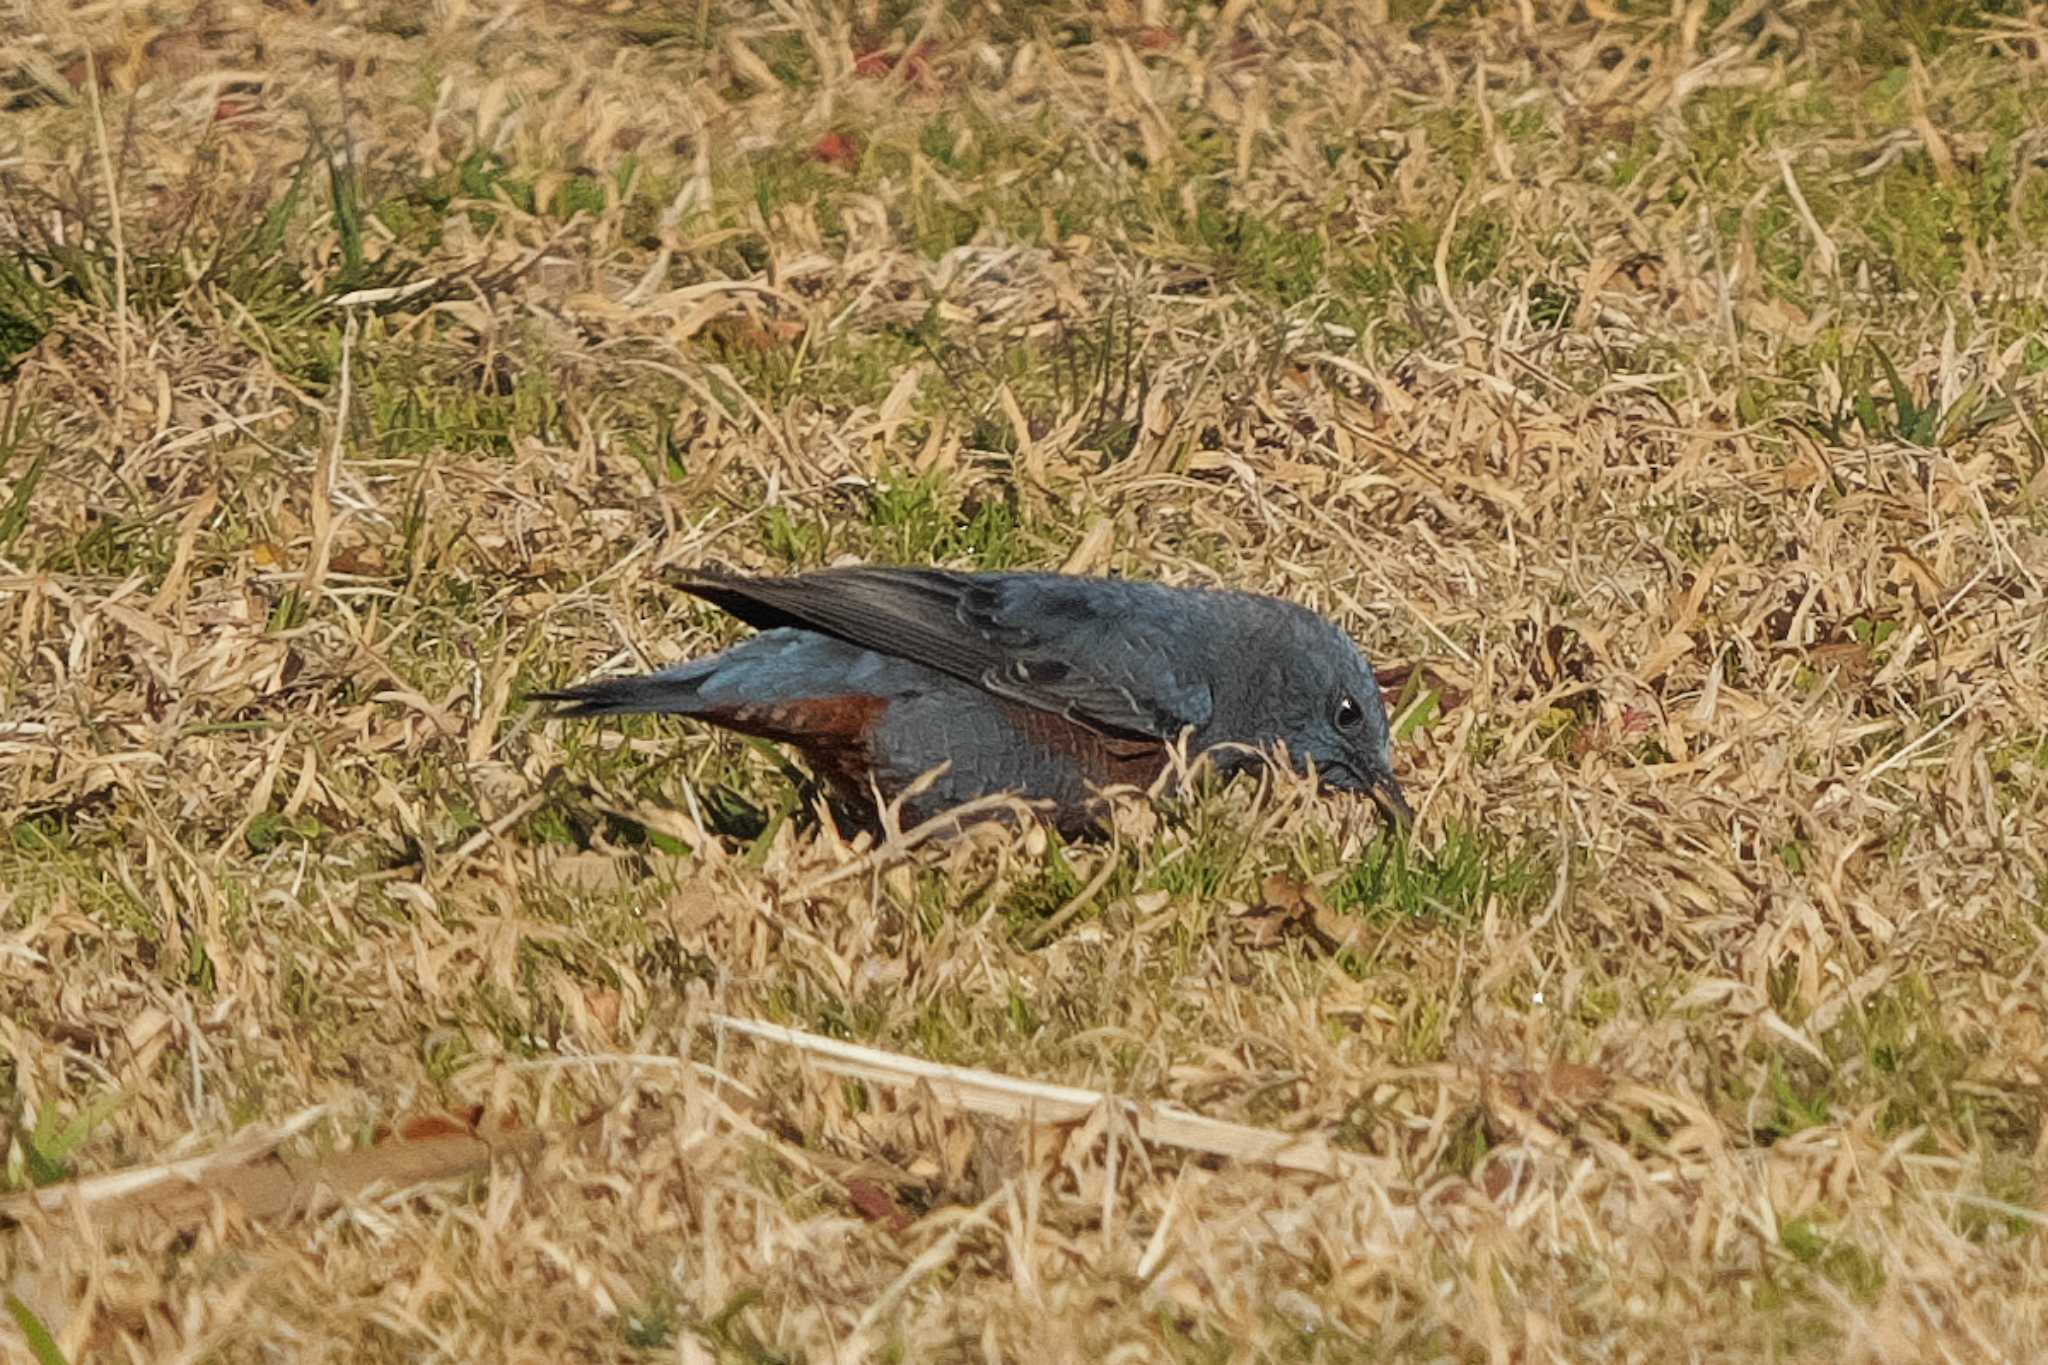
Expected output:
(1093, 650)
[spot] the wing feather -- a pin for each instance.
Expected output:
(1100, 652)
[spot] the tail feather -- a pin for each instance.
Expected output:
(649, 694)
(776, 667)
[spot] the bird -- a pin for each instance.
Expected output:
(1050, 687)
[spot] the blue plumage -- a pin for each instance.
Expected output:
(1049, 686)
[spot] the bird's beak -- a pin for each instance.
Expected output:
(1386, 794)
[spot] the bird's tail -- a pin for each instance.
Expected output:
(776, 667)
(676, 691)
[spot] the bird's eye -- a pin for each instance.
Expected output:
(1349, 713)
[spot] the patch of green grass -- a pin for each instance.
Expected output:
(271, 828)
(1551, 306)
(652, 437)
(1899, 414)
(1914, 226)
(42, 1343)
(24, 314)
(1896, 1052)
(793, 177)
(2011, 1192)
(2025, 754)
(1467, 1144)
(417, 211)
(1890, 31)
(14, 510)
(234, 241)
(44, 1150)
(1797, 1094)
(800, 537)
(833, 371)
(1872, 632)
(115, 544)
(1028, 902)
(1466, 870)
(1600, 1003)
(445, 1053)
(1913, 1061)
(1214, 848)
(1259, 255)
(526, 1021)
(733, 1338)
(917, 522)
(440, 398)
(1092, 373)
(50, 859)
(1842, 1262)
(651, 1324)
(987, 1032)
(1416, 709)
(931, 171)
(1370, 278)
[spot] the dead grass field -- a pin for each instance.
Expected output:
(1660, 384)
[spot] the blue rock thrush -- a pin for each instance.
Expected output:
(1048, 686)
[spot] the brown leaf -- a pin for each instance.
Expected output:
(1291, 906)
(841, 150)
(1576, 1084)
(876, 1204)
(1645, 272)
(1393, 681)
(917, 63)
(1265, 926)
(748, 333)
(1913, 571)
(1850, 657)
(363, 561)
(1561, 657)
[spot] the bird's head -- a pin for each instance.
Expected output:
(1315, 695)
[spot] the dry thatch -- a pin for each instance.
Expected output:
(1658, 393)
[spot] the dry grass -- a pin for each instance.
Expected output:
(1666, 387)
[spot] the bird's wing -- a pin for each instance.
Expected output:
(1098, 651)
